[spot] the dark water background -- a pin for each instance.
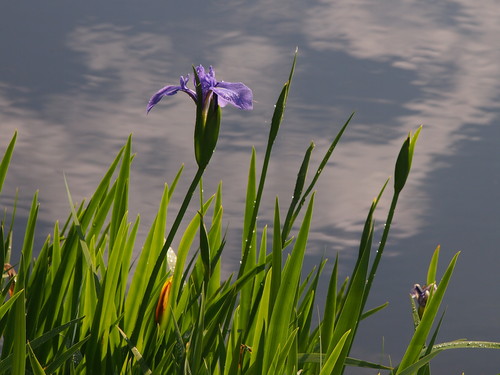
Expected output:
(75, 78)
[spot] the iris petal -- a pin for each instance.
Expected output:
(235, 93)
(166, 91)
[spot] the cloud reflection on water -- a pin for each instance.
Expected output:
(450, 48)
(446, 49)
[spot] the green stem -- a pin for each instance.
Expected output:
(376, 261)
(380, 248)
(163, 252)
(258, 198)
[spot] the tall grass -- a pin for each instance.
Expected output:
(78, 308)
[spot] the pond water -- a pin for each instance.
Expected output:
(75, 79)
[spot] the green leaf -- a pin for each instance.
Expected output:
(135, 352)
(152, 246)
(431, 273)
(184, 247)
(330, 314)
(297, 192)
(249, 244)
(420, 336)
(36, 367)
(216, 242)
(402, 166)
(334, 355)
(27, 250)
(365, 364)
(285, 355)
(280, 317)
(276, 258)
(467, 344)
(204, 250)
(19, 349)
(279, 111)
(261, 321)
(373, 311)
(426, 369)
(65, 356)
(349, 361)
(418, 364)
(120, 203)
(351, 310)
(4, 164)
(7, 305)
(403, 163)
(320, 169)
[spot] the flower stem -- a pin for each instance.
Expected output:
(164, 250)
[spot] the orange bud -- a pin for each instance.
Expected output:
(11, 273)
(162, 305)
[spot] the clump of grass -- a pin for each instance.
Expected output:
(76, 307)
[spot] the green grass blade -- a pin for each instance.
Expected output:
(320, 169)
(215, 240)
(262, 319)
(280, 318)
(404, 161)
(420, 336)
(125, 259)
(7, 305)
(40, 340)
(426, 370)
(27, 250)
(467, 344)
(250, 200)
(334, 355)
(276, 258)
(412, 369)
(36, 367)
(249, 244)
(120, 203)
(365, 364)
(297, 192)
(19, 344)
(145, 299)
(285, 357)
(4, 164)
(152, 247)
(414, 312)
(431, 273)
(184, 247)
(258, 281)
(349, 361)
(175, 181)
(278, 113)
(106, 311)
(65, 356)
(205, 250)
(373, 311)
(306, 310)
(135, 352)
(330, 314)
(351, 310)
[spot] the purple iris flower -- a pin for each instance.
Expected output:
(236, 93)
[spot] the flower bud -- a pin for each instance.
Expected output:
(162, 306)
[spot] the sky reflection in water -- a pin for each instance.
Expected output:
(75, 81)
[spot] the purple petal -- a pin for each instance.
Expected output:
(236, 94)
(167, 90)
(207, 80)
(184, 81)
